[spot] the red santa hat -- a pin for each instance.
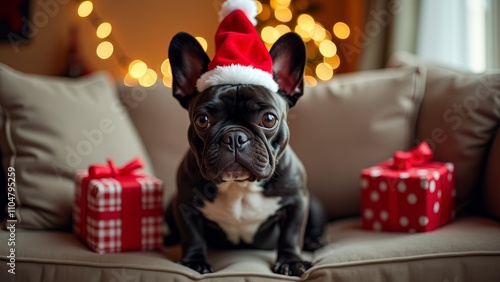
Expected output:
(240, 55)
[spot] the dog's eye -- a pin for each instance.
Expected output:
(202, 122)
(268, 120)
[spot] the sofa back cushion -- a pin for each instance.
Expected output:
(51, 127)
(352, 122)
(162, 124)
(459, 117)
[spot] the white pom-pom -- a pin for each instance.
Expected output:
(248, 7)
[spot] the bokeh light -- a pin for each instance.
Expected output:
(165, 68)
(283, 14)
(282, 29)
(269, 34)
(324, 71)
(167, 81)
(327, 48)
(104, 50)
(137, 68)
(306, 22)
(310, 81)
(203, 42)
(129, 80)
(103, 30)
(149, 78)
(85, 9)
(265, 14)
(333, 62)
(341, 30)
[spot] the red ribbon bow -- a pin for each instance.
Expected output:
(415, 157)
(110, 170)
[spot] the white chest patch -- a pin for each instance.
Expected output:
(239, 209)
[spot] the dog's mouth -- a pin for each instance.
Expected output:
(236, 172)
(236, 155)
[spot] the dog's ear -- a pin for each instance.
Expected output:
(289, 60)
(188, 61)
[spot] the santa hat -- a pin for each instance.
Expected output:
(240, 55)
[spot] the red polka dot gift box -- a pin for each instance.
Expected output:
(118, 209)
(408, 193)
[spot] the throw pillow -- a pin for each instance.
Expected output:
(52, 127)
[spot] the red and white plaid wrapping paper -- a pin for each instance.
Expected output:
(411, 198)
(119, 213)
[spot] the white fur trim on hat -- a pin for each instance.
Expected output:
(248, 7)
(236, 74)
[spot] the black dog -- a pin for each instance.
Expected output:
(240, 185)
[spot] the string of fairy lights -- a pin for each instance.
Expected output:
(276, 17)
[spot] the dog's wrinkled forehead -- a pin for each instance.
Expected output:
(234, 98)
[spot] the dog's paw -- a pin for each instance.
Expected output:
(291, 268)
(200, 266)
(311, 244)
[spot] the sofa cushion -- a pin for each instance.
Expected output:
(465, 250)
(162, 124)
(51, 128)
(350, 123)
(459, 117)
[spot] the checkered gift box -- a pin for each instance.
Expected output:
(408, 193)
(118, 210)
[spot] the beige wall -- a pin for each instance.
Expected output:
(143, 29)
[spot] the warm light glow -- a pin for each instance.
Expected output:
(165, 68)
(303, 33)
(259, 7)
(137, 68)
(285, 3)
(324, 71)
(333, 62)
(269, 34)
(265, 14)
(318, 33)
(310, 81)
(283, 14)
(341, 30)
(167, 81)
(104, 50)
(129, 81)
(85, 9)
(149, 78)
(306, 22)
(327, 48)
(275, 4)
(282, 29)
(103, 30)
(203, 42)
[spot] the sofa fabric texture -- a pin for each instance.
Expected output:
(337, 128)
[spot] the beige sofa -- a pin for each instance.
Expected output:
(53, 127)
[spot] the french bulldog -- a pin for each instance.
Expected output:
(241, 185)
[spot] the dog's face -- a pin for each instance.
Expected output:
(237, 131)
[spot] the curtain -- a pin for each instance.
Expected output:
(459, 33)
(391, 25)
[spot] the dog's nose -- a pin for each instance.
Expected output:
(235, 139)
